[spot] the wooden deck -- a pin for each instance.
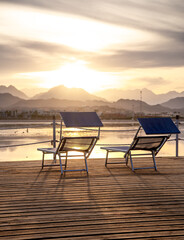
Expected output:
(109, 203)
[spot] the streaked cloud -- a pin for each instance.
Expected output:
(109, 36)
(147, 82)
(163, 17)
(26, 56)
(123, 59)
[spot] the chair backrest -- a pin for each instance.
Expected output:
(161, 125)
(81, 119)
(149, 143)
(79, 144)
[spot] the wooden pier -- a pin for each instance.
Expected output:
(108, 203)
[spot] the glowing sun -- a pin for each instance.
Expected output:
(76, 75)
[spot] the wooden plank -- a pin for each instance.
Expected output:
(109, 203)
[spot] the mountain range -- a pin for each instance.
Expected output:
(62, 92)
(137, 94)
(109, 95)
(9, 102)
(76, 98)
(13, 91)
(140, 106)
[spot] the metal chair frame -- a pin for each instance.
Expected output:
(63, 153)
(151, 149)
(127, 150)
(82, 144)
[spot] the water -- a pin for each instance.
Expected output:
(26, 132)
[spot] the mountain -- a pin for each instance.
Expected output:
(116, 94)
(176, 103)
(57, 104)
(7, 100)
(140, 106)
(13, 91)
(31, 92)
(62, 92)
(146, 95)
(46, 104)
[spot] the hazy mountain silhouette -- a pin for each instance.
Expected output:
(176, 103)
(62, 92)
(138, 106)
(56, 104)
(64, 98)
(46, 104)
(13, 91)
(147, 95)
(109, 95)
(7, 100)
(31, 92)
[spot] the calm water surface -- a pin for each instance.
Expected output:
(114, 132)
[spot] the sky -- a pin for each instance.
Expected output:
(94, 45)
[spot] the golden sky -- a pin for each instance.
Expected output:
(94, 45)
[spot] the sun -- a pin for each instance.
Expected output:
(77, 75)
(73, 75)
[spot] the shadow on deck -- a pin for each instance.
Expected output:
(108, 203)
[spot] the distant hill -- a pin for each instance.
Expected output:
(62, 92)
(107, 96)
(138, 106)
(55, 104)
(58, 104)
(176, 103)
(31, 92)
(7, 100)
(147, 95)
(13, 91)
(45, 104)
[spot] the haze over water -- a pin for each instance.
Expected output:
(116, 132)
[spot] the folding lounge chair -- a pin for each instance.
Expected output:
(149, 144)
(82, 144)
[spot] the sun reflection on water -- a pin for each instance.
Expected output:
(111, 134)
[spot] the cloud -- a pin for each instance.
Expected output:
(163, 47)
(123, 59)
(27, 56)
(147, 82)
(48, 48)
(162, 17)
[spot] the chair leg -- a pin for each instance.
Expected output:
(131, 161)
(86, 163)
(126, 159)
(60, 164)
(54, 157)
(106, 158)
(154, 161)
(66, 159)
(43, 160)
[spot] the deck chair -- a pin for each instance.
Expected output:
(159, 131)
(81, 144)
